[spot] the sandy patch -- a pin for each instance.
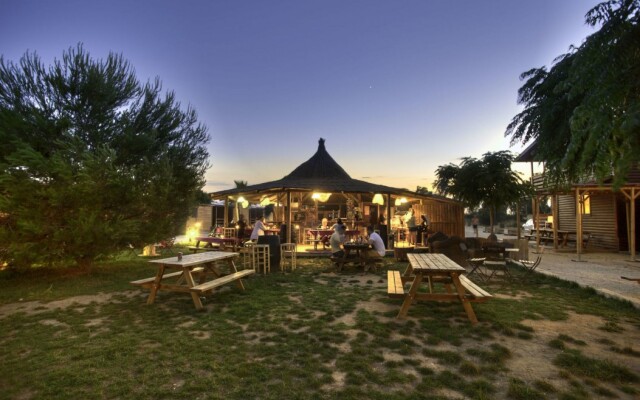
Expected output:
(37, 307)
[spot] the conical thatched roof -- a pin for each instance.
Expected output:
(319, 173)
(320, 166)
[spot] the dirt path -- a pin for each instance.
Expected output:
(37, 307)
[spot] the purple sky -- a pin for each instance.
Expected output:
(396, 88)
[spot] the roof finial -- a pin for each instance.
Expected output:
(321, 144)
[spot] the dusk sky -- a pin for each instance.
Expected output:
(396, 88)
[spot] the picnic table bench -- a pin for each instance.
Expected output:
(224, 243)
(395, 288)
(196, 249)
(342, 261)
(564, 236)
(203, 266)
(430, 268)
(359, 258)
(207, 286)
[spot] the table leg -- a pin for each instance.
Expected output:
(156, 285)
(463, 299)
(407, 276)
(361, 258)
(410, 297)
(207, 268)
(233, 269)
(344, 257)
(190, 283)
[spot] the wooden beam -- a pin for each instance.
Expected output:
(287, 217)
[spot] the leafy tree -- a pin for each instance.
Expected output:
(584, 113)
(91, 160)
(422, 190)
(489, 182)
(203, 197)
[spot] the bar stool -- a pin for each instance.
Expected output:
(261, 257)
(247, 255)
(288, 256)
(229, 232)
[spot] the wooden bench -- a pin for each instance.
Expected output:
(196, 249)
(341, 262)
(571, 238)
(147, 282)
(395, 285)
(223, 280)
(477, 294)
(316, 241)
(543, 239)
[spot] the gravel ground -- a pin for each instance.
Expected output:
(599, 270)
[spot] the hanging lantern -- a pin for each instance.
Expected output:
(321, 197)
(265, 201)
(378, 199)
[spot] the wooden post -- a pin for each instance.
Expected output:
(287, 217)
(226, 212)
(631, 220)
(634, 195)
(579, 205)
(554, 216)
(632, 242)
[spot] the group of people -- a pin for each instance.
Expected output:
(339, 237)
(414, 228)
(259, 228)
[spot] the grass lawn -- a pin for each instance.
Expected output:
(310, 334)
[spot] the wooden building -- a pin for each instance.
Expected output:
(607, 217)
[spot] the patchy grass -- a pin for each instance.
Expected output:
(310, 334)
(603, 370)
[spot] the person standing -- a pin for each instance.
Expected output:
(242, 225)
(258, 229)
(424, 229)
(413, 228)
(474, 223)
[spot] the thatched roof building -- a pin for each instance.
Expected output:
(322, 174)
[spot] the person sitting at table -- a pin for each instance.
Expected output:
(324, 224)
(258, 229)
(324, 239)
(337, 239)
(377, 249)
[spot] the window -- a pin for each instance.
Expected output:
(585, 202)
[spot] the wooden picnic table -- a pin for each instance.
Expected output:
(323, 235)
(429, 268)
(224, 242)
(564, 236)
(203, 266)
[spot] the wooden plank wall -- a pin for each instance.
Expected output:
(601, 223)
(205, 217)
(444, 217)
